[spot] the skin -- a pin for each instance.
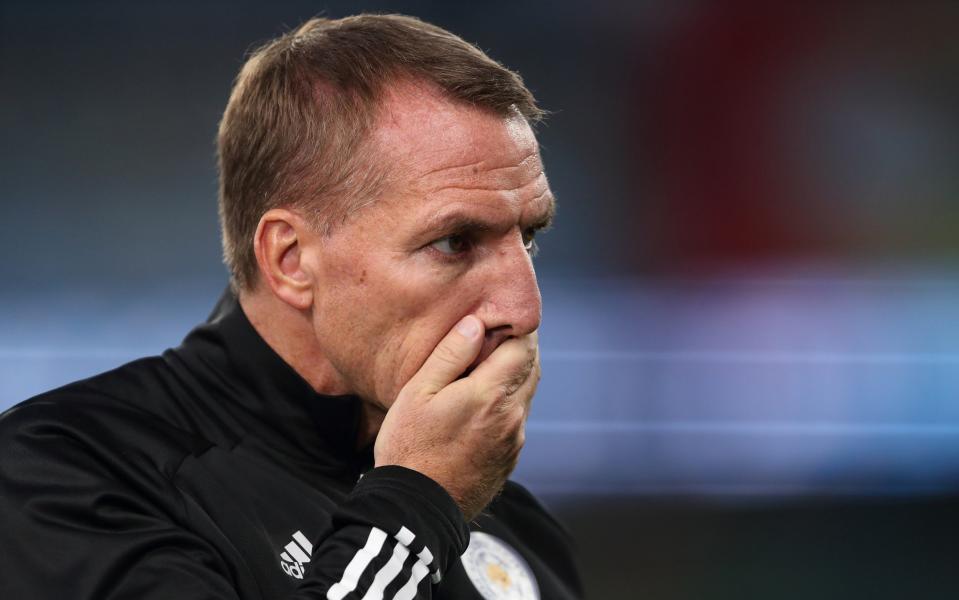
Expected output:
(372, 308)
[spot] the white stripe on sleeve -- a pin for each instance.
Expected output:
(408, 591)
(405, 536)
(426, 556)
(388, 573)
(362, 559)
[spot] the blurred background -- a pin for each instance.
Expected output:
(751, 329)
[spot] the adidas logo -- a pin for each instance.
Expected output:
(296, 554)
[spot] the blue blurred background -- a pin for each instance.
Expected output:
(751, 335)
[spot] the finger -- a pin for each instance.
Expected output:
(451, 357)
(509, 366)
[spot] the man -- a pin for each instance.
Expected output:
(344, 424)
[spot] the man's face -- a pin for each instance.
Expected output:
(449, 237)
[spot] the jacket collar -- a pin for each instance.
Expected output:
(321, 429)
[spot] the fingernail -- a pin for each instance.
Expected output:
(468, 327)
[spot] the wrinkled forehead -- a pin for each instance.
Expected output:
(421, 132)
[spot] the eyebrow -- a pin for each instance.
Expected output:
(458, 221)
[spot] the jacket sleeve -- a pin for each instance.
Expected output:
(394, 537)
(72, 525)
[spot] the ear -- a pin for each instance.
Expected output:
(278, 245)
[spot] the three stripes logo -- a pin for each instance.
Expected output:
(295, 555)
(396, 567)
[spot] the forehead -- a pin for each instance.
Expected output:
(427, 138)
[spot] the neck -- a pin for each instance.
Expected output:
(289, 332)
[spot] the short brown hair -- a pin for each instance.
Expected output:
(303, 106)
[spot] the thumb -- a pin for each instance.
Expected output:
(451, 357)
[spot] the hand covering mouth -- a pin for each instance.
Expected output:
(494, 337)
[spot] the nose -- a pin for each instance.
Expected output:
(512, 305)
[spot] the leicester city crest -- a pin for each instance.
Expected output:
(498, 571)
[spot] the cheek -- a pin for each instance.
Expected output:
(376, 322)
(424, 313)
(410, 322)
(423, 331)
(379, 317)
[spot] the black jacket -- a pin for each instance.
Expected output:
(215, 471)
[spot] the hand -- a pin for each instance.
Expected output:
(464, 433)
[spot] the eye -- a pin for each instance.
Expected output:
(452, 245)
